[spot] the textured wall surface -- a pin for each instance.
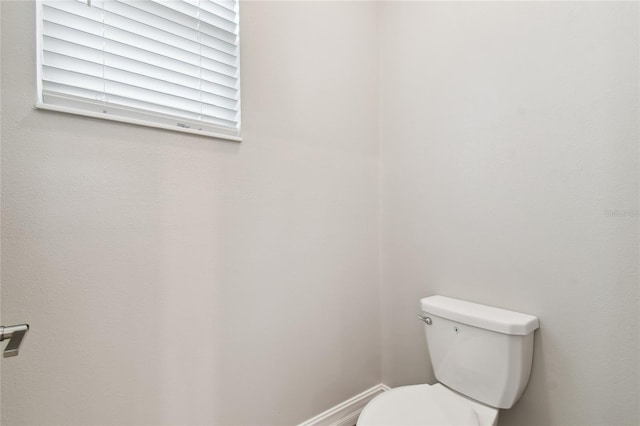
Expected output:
(174, 279)
(509, 164)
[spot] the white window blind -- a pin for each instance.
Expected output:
(164, 63)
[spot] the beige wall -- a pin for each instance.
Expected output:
(173, 279)
(507, 130)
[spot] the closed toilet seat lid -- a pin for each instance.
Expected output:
(422, 405)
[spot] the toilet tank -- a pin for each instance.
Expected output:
(479, 351)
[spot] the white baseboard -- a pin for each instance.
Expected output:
(346, 413)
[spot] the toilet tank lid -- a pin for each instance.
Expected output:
(481, 316)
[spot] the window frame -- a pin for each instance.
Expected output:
(182, 126)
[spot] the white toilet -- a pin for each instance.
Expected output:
(481, 357)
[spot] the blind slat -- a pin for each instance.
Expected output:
(145, 43)
(188, 17)
(228, 8)
(125, 14)
(188, 41)
(105, 81)
(63, 40)
(158, 79)
(221, 62)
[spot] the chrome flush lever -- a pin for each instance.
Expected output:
(15, 334)
(425, 319)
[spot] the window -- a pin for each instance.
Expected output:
(172, 64)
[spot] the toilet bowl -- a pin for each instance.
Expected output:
(426, 405)
(481, 357)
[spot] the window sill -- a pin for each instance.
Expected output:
(74, 111)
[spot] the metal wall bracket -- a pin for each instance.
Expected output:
(15, 334)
